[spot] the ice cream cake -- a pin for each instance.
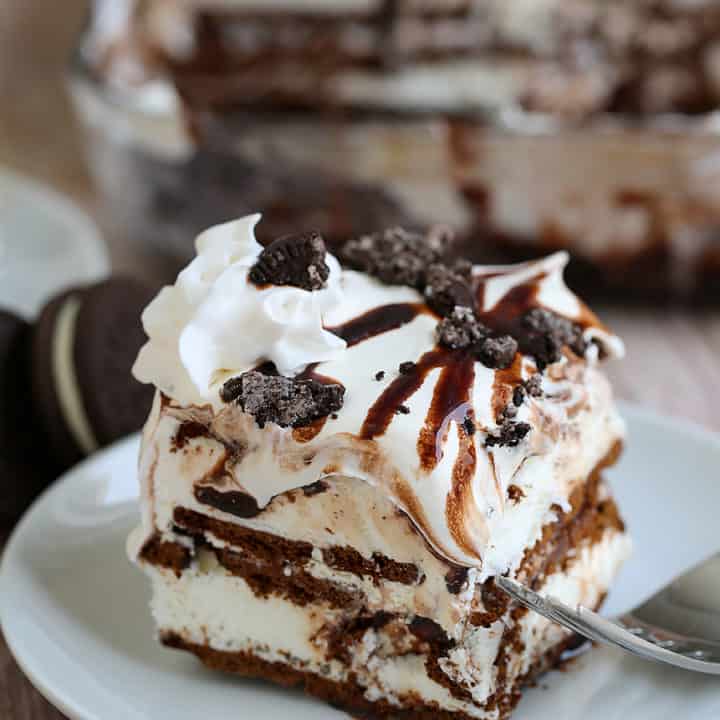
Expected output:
(344, 453)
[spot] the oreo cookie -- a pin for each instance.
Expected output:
(83, 349)
(26, 467)
(297, 260)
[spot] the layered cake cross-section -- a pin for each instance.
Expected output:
(341, 459)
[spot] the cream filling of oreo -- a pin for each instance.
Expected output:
(65, 379)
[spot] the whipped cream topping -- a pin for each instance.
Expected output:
(213, 323)
(404, 434)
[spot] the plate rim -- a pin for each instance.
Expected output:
(630, 412)
(68, 211)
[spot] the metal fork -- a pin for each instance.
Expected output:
(679, 625)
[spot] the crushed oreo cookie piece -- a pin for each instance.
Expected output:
(461, 329)
(402, 410)
(397, 256)
(496, 352)
(545, 334)
(231, 389)
(407, 368)
(380, 375)
(281, 400)
(510, 434)
(446, 289)
(533, 386)
(530, 387)
(468, 425)
(508, 413)
(297, 260)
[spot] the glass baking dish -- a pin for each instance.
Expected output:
(636, 201)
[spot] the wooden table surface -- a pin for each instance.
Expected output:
(672, 363)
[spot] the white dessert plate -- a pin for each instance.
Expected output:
(75, 612)
(46, 244)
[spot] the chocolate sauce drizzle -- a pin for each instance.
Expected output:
(310, 373)
(377, 321)
(452, 395)
(506, 315)
(401, 389)
(374, 322)
(457, 368)
(460, 501)
(450, 403)
(451, 391)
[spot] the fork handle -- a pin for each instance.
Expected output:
(598, 629)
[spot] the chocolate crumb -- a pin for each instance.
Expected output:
(545, 334)
(455, 578)
(284, 401)
(297, 260)
(397, 256)
(531, 387)
(380, 375)
(402, 410)
(509, 412)
(446, 289)
(334, 416)
(469, 426)
(407, 368)
(515, 494)
(510, 434)
(315, 488)
(461, 329)
(231, 389)
(519, 395)
(496, 352)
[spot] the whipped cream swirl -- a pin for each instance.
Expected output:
(214, 323)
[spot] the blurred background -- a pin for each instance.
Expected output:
(589, 130)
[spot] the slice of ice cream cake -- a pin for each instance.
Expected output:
(340, 461)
